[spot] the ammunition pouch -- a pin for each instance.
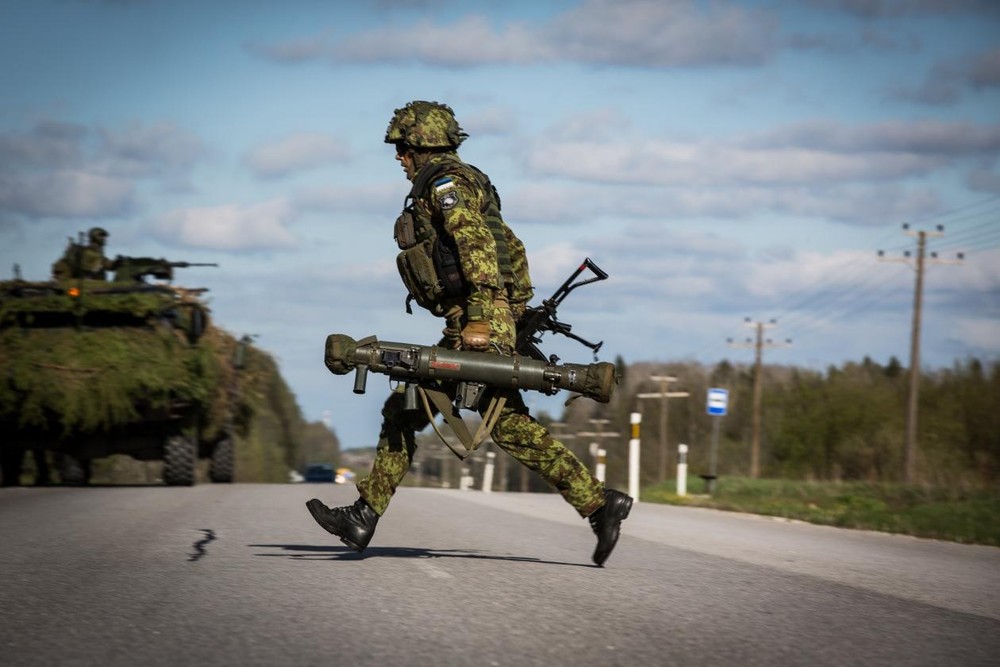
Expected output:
(416, 268)
(339, 355)
(405, 231)
(430, 267)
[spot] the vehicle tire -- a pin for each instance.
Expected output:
(73, 471)
(178, 461)
(222, 466)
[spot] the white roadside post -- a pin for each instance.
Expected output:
(633, 457)
(488, 472)
(600, 472)
(682, 470)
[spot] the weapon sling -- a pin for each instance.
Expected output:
(444, 405)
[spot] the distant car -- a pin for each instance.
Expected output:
(319, 472)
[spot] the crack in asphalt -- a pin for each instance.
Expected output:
(199, 546)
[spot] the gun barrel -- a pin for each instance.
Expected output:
(417, 363)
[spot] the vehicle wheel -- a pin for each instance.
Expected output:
(221, 469)
(178, 461)
(74, 471)
(11, 464)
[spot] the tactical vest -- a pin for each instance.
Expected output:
(428, 262)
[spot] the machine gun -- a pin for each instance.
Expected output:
(134, 269)
(459, 379)
(539, 319)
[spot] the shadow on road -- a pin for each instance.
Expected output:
(327, 552)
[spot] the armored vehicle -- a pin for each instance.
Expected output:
(91, 368)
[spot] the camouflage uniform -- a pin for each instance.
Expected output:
(455, 204)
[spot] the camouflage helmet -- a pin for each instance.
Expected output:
(425, 125)
(97, 235)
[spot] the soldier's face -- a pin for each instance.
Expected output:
(405, 158)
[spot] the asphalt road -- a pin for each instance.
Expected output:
(240, 575)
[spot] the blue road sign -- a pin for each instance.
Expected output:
(718, 400)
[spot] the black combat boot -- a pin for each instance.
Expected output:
(607, 521)
(354, 524)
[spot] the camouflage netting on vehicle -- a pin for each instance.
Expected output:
(227, 404)
(96, 303)
(108, 357)
(64, 380)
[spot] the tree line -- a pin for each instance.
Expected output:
(846, 422)
(279, 438)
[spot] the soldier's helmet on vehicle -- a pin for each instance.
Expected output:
(425, 125)
(98, 236)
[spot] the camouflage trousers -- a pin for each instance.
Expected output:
(516, 432)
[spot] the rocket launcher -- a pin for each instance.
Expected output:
(472, 372)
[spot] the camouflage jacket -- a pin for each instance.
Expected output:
(456, 202)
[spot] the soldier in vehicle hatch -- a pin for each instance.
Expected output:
(460, 261)
(84, 261)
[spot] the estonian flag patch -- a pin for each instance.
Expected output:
(443, 184)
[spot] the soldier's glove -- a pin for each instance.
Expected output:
(476, 335)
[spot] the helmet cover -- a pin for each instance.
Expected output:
(425, 125)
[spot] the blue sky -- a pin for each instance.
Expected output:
(720, 160)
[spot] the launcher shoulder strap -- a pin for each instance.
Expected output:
(458, 426)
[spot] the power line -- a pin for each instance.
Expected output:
(982, 240)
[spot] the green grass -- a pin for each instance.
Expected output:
(960, 515)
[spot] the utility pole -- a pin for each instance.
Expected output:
(665, 394)
(758, 392)
(912, 406)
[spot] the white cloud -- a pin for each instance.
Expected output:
(947, 80)
(466, 42)
(296, 152)
(640, 33)
(860, 174)
(860, 204)
(261, 226)
(157, 149)
(884, 8)
(663, 33)
(64, 193)
(712, 163)
(48, 144)
(66, 170)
